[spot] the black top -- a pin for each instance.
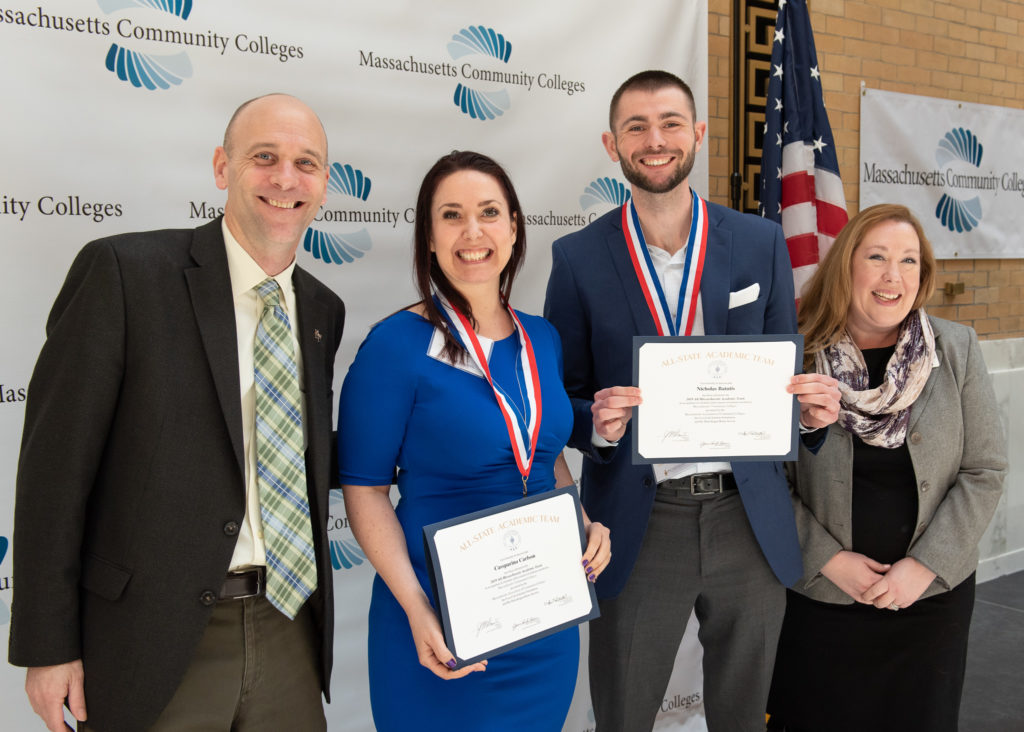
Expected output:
(884, 486)
(851, 668)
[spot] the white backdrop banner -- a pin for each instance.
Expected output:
(112, 110)
(958, 166)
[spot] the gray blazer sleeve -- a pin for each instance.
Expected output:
(948, 543)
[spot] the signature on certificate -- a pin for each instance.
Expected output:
(487, 626)
(675, 436)
(559, 600)
(526, 623)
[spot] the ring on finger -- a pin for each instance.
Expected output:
(894, 606)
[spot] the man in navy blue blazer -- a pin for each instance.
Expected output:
(716, 537)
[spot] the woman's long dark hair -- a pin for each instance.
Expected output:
(429, 275)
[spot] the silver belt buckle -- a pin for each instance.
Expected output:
(260, 575)
(699, 484)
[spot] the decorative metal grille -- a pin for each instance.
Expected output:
(753, 32)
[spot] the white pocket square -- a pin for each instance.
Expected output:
(742, 297)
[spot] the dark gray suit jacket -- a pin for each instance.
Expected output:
(131, 483)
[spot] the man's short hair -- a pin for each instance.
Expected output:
(649, 81)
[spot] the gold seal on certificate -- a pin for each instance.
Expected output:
(509, 575)
(715, 398)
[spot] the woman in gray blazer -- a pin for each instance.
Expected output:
(892, 499)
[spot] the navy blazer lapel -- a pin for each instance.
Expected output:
(714, 283)
(209, 285)
(643, 321)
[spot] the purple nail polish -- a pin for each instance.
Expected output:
(586, 563)
(451, 664)
(591, 577)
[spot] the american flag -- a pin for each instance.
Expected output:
(800, 184)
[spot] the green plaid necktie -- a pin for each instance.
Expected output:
(280, 463)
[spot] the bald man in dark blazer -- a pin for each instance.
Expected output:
(135, 462)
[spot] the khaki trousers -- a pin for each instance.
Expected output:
(254, 670)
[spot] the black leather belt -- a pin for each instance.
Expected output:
(698, 484)
(248, 583)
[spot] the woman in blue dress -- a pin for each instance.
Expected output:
(417, 398)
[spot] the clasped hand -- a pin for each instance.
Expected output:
(893, 586)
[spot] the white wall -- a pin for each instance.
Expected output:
(1002, 547)
(71, 129)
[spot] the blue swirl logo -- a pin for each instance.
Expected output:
(480, 40)
(959, 146)
(181, 8)
(332, 248)
(5, 612)
(345, 552)
(146, 70)
(604, 191)
(349, 181)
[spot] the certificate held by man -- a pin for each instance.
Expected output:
(509, 575)
(715, 398)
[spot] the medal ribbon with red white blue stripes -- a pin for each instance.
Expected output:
(524, 447)
(696, 247)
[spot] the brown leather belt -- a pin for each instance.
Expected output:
(247, 583)
(698, 484)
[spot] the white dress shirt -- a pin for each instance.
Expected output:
(669, 270)
(246, 274)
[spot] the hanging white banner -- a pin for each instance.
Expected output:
(112, 110)
(959, 167)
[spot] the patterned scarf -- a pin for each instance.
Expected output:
(880, 416)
